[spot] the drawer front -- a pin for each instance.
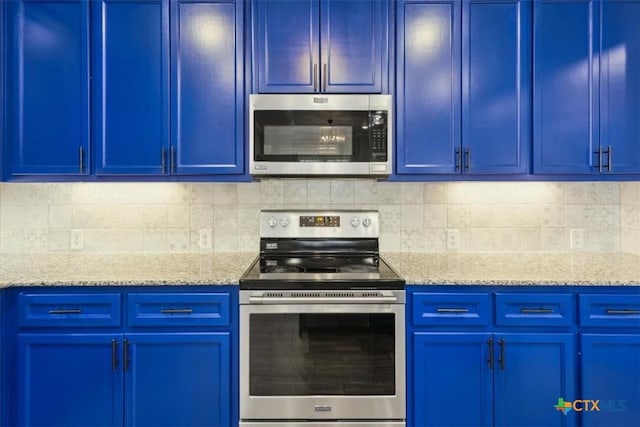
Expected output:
(180, 309)
(534, 309)
(439, 309)
(68, 310)
(609, 310)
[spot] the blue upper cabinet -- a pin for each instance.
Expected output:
(329, 46)
(131, 86)
(586, 88)
(565, 89)
(287, 45)
(463, 86)
(353, 44)
(496, 82)
(47, 87)
(620, 85)
(428, 86)
(206, 86)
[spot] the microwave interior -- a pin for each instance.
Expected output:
(320, 136)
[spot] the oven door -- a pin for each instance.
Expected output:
(322, 361)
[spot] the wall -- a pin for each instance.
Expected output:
(152, 217)
(630, 217)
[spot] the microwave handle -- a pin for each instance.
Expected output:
(315, 77)
(325, 77)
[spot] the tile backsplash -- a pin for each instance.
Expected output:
(176, 217)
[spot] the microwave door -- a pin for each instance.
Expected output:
(302, 136)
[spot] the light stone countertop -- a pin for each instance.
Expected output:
(226, 268)
(123, 269)
(517, 268)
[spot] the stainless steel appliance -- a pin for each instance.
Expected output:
(320, 135)
(321, 324)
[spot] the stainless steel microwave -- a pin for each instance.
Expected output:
(320, 135)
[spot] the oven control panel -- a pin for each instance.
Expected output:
(319, 221)
(319, 224)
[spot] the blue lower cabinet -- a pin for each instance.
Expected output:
(178, 379)
(611, 375)
(453, 385)
(179, 370)
(68, 380)
(531, 372)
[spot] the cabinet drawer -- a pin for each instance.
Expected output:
(609, 310)
(534, 309)
(182, 309)
(68, 310)
(431, 309)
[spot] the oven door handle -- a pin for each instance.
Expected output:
(320, 300)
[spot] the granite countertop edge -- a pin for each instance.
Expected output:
(428, 269)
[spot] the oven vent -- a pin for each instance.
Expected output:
(274, 295)
(370, 294)
(306, 295)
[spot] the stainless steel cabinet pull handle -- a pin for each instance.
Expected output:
(525, 310)
(467, 159)
(501, 344)
(66, 311)
(172, 159)
(490, 360)
(126, 355)
(599, 153)
(623, 311)
(163, 157)
(325, 77)
(315, 77)
(114, 355)
(453, 310)
(81, 159)
(610, 158)
(176, 311)
(458, 158)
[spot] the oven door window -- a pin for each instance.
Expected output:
(320, 136)
(322, 354)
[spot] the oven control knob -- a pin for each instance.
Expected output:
(366, 221)
(355, 221)
(272, 222)
(284, 221)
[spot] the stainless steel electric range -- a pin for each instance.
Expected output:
(321, 324)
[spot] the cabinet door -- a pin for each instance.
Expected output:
(428, 86)
(180, 379)
(206, 84)
(47, 86)
(620, 85)
(610, 372)
(450, 370)
(69, 380)
(565, 97)
(531, 372)
(496, 85)
(353, 45)
(287, 46)
(131, 87)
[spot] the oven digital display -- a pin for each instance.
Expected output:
(319, 221)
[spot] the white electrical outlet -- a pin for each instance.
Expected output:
(77, 240)
(204, 238)
(576, 238)
(453, 240)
